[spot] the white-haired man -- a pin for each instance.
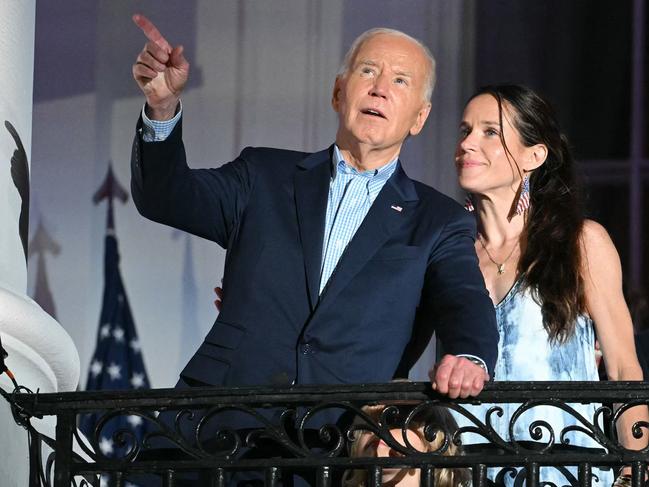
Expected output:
(329, 255)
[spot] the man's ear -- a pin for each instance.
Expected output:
(335, 96)
(422, 115)
(537, 155)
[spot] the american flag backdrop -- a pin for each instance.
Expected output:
(117, 362)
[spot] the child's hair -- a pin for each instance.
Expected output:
(438, 419)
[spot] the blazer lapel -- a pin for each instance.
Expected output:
(393, 204)
(311, 194)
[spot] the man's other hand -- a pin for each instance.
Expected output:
(161, 71)
(218, 302)
(457, 377)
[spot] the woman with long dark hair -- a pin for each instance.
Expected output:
(554, 277)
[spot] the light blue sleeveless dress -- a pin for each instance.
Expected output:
(526, 354)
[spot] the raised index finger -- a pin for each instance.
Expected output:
(150, 30)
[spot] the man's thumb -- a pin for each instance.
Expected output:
(177, 58)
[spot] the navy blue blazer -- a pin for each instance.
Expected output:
(413, 254)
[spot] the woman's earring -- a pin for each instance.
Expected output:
(523, 196)
(468, 203)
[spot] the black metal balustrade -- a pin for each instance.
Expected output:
(300, 423)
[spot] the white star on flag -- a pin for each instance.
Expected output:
(134, 420)
(135, 345)
(105, 331)
(118, 334)
(137, 380)
(106, 446)
(115, 371)
(96, 367)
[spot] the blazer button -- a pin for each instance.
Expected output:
(307, 349)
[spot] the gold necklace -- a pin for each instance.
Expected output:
(501, 265)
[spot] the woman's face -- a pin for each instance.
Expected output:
(371, 446)
(480, 157)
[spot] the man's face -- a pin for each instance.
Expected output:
(380, 101)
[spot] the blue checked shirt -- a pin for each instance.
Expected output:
(157, 131)
(351, 194)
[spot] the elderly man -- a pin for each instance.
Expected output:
(329, 255)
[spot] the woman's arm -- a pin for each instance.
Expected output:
(602, 275)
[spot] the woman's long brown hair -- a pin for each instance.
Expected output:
(550, 264)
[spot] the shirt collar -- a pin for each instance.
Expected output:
(381, 174)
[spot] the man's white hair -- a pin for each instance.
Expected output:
(429, 82)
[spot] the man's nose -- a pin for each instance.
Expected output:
(380, 86)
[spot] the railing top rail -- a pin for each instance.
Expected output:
(503, 460)
(494, 392)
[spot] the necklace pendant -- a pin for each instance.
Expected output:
(501, 268)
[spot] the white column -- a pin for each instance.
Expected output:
(41, 354)
(16, 86)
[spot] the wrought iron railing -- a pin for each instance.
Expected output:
(202, 436)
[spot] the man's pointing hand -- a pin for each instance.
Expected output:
(161, 71)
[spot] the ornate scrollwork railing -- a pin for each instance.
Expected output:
(310, 431)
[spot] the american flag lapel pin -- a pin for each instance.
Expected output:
(396, 208)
